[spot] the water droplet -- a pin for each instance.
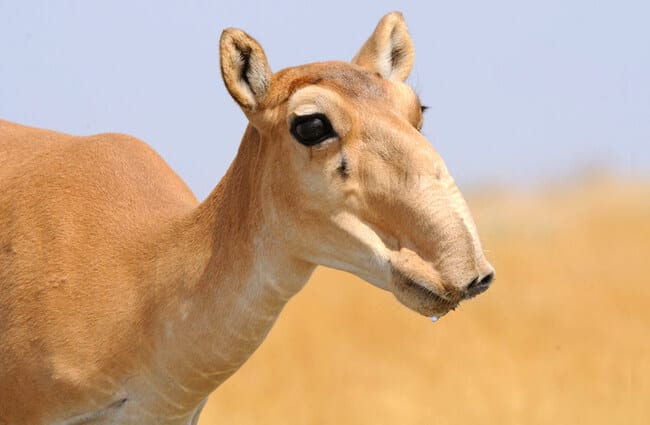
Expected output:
(434, 319)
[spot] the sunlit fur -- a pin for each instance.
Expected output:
(124, 300)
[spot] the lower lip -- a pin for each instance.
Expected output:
(426, 291)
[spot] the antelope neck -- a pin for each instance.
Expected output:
(234, 281)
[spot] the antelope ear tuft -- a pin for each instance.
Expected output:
(244, 68)
(389, 51)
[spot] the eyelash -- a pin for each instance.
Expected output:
(423, 109)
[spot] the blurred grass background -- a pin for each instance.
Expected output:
(519, 92)
(561, 337)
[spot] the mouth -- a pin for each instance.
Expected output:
(418, 284)
(419, 296)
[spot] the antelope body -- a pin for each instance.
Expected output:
(124, 300)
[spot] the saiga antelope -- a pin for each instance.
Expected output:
(125, 301)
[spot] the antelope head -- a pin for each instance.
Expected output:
(346, 178)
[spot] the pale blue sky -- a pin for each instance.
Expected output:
(520, 92)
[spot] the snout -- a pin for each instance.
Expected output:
(478, 285)
(419, 285)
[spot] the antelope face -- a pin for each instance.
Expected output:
(347, 179)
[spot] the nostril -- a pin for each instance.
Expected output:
(487, 279)
(478, 285)
(472, 284)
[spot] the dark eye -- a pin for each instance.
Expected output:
(310, 130)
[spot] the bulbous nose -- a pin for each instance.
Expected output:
(478, 285)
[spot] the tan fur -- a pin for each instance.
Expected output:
(124, 300)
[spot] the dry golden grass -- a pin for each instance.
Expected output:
(561, 338)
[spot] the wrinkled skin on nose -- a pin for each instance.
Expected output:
(418, 210)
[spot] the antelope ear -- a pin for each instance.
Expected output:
(244, 68)
(389, 51)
